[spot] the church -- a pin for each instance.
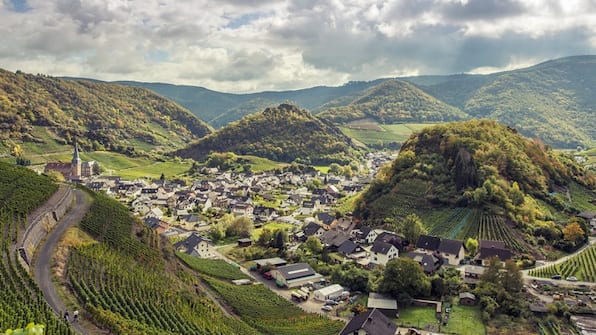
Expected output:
(76, 169)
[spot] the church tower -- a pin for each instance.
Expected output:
(76, 163)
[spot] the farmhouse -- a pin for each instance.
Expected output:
(382, 252)
(295, 275)
(452, 251)
(371, 322)
(382, 303)
(195, 245)
(489, 249)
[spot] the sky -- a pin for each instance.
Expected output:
(258, 45)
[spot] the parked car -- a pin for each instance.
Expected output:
(572, 278)
(267, 275)
(330, 302)
(327, 308)
(556, 277)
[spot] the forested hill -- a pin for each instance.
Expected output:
(394, 101)
(284, 133)
(98, 115)
(478, 164)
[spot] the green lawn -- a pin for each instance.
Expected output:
(463, 320)
(384, 133)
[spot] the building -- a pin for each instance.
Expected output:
(270, 262)
(488, 249)
(452, 251)
(371, 322)
(382, 303)
(328, 292)
(244, 242)
(295, 275)
(430, 264)
(467, 298)
(427, 243)
(195, 245)
(313, 229)
(472, 275)
(76, 169)
(382, 252)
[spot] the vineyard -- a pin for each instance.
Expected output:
(581, 265)
(453, 224)
(493, 227)
(269, 313)
(212, 267)
(21, 301)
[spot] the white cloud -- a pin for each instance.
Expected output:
(254, 45)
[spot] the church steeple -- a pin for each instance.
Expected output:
(76, 163)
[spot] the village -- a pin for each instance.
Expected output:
(305, 207)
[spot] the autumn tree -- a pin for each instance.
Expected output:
(573, 232)
(412, 227)
(472, 246)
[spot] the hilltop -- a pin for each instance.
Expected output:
(284, 133)
(479, 168)
(99, 116)
(394, 101)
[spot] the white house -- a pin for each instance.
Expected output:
(452, 251)
(195, 245)
(382, 252)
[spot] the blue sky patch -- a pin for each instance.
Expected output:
(19, 6)
(157, 56)
(243, 20)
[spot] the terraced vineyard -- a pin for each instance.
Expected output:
(21, 300)
(493, 227)
(451, 226)
(582, 266)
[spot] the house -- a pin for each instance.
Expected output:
(452, 251)
(328, 292)
(343, 224)
(325, 218)
(371, 322)
(472, 275)
(242, 209)
(313, 229)
(263, 213)
(295, 275)
(308, 207)
(244, 242)
(590, 218)
(333, 239)
(382, 252)
(195, 245)
(382, 303)
(155, 212)
(391, 238)
(467, 298)
(430, 263)
(366, 235)
(488, 249)
(156, 224)
(349, 248)
(427, 244)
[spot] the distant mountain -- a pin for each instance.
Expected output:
(284, 133)
(97, 115)
(480, 165)
(394, 101)
(219, 109)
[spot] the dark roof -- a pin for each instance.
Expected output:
(381, 247)
(326, 218)
(334, 238)
(428, 242)
(391, 238)
(450, 246)
(190, 242)
(347, 247)
(502, 254)
(588, 215)
(294, 271)
(428, 262)
(365, 230)
(491, 244)
(373, 321)
(311, 228)
(538, 308)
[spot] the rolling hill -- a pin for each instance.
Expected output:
(284, 133)
(394, 101)
(36, 108)
(464, 173)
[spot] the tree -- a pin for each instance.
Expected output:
(404, 275)
(573, 232)
(472, 246)
(512, 278)
(335, 169)
(412, 228)
(516, 195)
(17, 151)
(241, 226)
(313, 244)
(280, 237)
(162, 177)
(265, 237)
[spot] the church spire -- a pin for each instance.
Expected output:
(76, 164)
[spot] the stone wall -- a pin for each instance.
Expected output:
(43, 221)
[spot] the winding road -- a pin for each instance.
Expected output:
(43, 261)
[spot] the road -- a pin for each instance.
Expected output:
(43, 261)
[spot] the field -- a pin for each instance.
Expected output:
(21, 300)
(273, 226)
(582, 266)
(216, 268)
(463, 320)
(371, 133)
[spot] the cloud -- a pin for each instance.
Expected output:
(253, 45)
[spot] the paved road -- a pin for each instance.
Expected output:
(42, 267)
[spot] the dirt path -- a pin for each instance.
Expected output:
(43, 261)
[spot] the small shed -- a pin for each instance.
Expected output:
(383, 304)
(271, 262)
(244, 242)
(329, 292)
(467, 298)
